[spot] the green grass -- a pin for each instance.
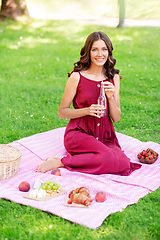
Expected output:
(35, 57)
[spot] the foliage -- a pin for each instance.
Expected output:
(35, 58)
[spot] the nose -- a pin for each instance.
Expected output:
(99, 53)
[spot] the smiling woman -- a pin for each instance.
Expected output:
(90, 139)
(99, 53)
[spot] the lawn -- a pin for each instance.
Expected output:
(35, 57)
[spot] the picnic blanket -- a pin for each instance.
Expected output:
(121, 190)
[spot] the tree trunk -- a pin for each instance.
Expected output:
(13, 9)
(121, 13)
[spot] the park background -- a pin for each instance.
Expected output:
(35, 57)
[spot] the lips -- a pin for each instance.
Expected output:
(100, 59)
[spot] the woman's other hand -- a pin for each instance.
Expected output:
(109, 89)
(96, 110)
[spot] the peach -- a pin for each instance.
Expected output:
(56, 172)
(100, 196)
(24, 186)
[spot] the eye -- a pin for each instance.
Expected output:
(105, 49)
(94, 49)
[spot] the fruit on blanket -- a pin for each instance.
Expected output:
(86, 202)
(100, 196)
(147, 156)
(24, 186)
(69, 201)
(50, 185)
(56, 172)
(72, 192)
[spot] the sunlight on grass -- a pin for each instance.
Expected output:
(123, 37)
(14, 27)
(34, 41)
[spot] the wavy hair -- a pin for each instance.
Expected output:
(85, 61)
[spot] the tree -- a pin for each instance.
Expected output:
(121, 13)
(13, 9)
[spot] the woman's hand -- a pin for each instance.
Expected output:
(112, 93)
(96, 110)
(109, 89)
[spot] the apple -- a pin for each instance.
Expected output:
(100, 196)
(24, 186)
(56, 172)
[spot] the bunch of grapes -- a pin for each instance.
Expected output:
(49, 185)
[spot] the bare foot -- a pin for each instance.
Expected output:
(51, 163)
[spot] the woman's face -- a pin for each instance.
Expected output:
(99, 53)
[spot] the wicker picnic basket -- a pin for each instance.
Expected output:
(10, 158)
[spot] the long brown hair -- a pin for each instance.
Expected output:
(85, 61)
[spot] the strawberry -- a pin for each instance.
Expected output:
(69, 201)
(86, 203)
(72, 192)
(139, 156)
(143, 152)
(148, 150)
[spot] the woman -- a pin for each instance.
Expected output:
(90, 140)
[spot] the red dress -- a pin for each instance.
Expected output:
(91, 142)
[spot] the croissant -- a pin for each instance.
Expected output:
(80, 198)
(83, 190)
(80, 195)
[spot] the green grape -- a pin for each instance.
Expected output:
(48, 182)
(43, 186)
(50, 185)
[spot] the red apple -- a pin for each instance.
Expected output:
(56, 172)
(100, 196)
(24, 186)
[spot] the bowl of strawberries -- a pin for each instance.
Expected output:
(147, 156)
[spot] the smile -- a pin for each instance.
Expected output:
(100, 59)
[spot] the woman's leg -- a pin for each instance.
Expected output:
(51, 163)
(89, 155)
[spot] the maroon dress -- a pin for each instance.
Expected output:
(91, 142)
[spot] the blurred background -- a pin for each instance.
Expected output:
(105, 12)
(137, 9)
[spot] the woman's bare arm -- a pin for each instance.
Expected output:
(70, 91)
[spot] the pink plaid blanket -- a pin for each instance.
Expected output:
(121, 190)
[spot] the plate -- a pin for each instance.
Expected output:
(74, 204)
